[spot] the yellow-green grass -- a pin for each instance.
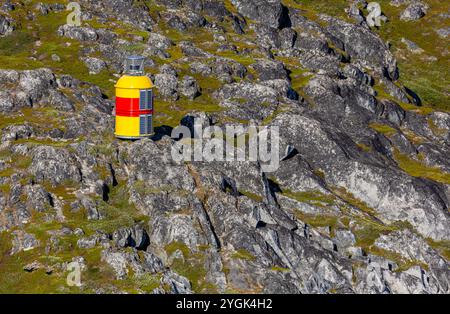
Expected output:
(118, 213)
(243, 254)
(429, 79)
(315, 198)
(191, 266)
(416, 168)
(251, 195)
(383, 129)
(317, 220)
(443, 247)
(351, 199)
(16, 50)
(311, 8)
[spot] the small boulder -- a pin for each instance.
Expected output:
(135, 237)
(167, 85)
(152, 263)
(158, 41)
(23, 241)
(269, 70)
(6, 26)
(94, 65)
(188, 87)
(414, 11)
(77, 33)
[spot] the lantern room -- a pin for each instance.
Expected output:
(134, 101)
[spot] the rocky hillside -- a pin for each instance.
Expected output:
(359, 205)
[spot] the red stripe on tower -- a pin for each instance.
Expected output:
(129, 107)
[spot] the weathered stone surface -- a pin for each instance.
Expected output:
(54, 164)
(135, 237)
(23, 241)
(78, 33)
(269, 12)
(167, 85)
(414, 11)
(361, 43)
(95, 65)
(188, 87)
(6, 26)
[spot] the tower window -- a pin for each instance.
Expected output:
(146, 99)
(142, 124)
(145, 124)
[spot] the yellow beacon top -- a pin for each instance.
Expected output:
(128, 86)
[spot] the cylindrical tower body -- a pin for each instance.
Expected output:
(134, 101)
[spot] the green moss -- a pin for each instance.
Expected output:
(422, 110)
(117, 212)
(191, 266)
(349, 198)
(138, 283)
(229, 6)
(316, 220)
(279, 269)
(103, 171)
(311, 8)
(44, 141)
(443, 247)
(41, 118)
(64, 190)
(147, 282)
(413, 137)
(319, 173)
(435, 129)
(273, 115)
(171, 112)
(242, 59)
(9, 120)
(403, 263)
(106, 148)
(17, 43)
(367, 230)
(418, 169)
(299, 78)
(383, 129)
(253, 196)
(315, 198)
(176, 245)
(7, 172)
(364, 147)
(243, 254)
(175, 53)
(5, 188)
(196, 273)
